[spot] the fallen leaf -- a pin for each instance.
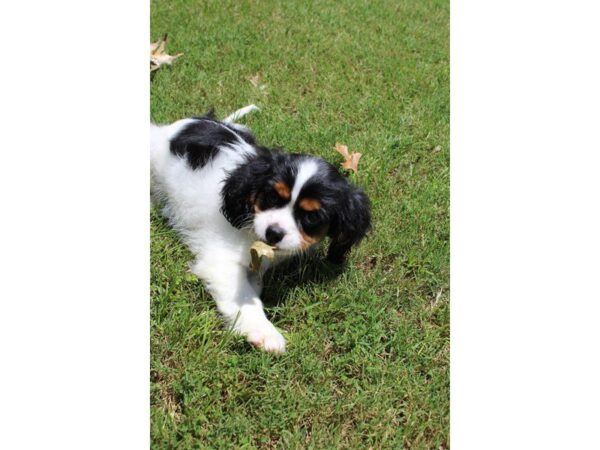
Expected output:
(353, 163)
(259, 250)
(350, 160)
(158, 57)
(342, 150)
(255, 81)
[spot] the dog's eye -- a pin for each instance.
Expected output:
(310, 218)
(270, 198)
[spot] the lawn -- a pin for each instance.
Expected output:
(367, 364)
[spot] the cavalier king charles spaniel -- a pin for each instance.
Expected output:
(221, 191)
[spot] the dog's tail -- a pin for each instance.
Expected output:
(232, 118)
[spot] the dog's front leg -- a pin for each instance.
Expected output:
(239, 302)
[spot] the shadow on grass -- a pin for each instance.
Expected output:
(302, 270)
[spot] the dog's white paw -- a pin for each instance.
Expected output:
(268, 339)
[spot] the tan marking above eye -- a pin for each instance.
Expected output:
(283, 190)
(310, 204)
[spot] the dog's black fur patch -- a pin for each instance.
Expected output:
(344, 212)
(199, 141)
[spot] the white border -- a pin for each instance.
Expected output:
(74, 243)
(525, 80)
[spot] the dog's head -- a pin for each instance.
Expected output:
(293, 201)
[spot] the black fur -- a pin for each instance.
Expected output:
(199, 142)
(252, 184)
(350, 224)
(345, 210)
(241, 187)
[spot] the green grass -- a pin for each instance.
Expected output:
(367, 364)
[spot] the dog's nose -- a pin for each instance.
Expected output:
(274, 234)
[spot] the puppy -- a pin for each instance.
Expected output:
(221, 191)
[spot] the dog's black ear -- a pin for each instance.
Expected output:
(241, 189)
(350, 224)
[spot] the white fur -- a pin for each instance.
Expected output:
(306, 170)
(191, 201)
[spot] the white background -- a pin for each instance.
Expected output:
(74, 239)
(525, 225)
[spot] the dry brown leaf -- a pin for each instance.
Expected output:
(158, 57)
(350, 160)
(259, 250)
